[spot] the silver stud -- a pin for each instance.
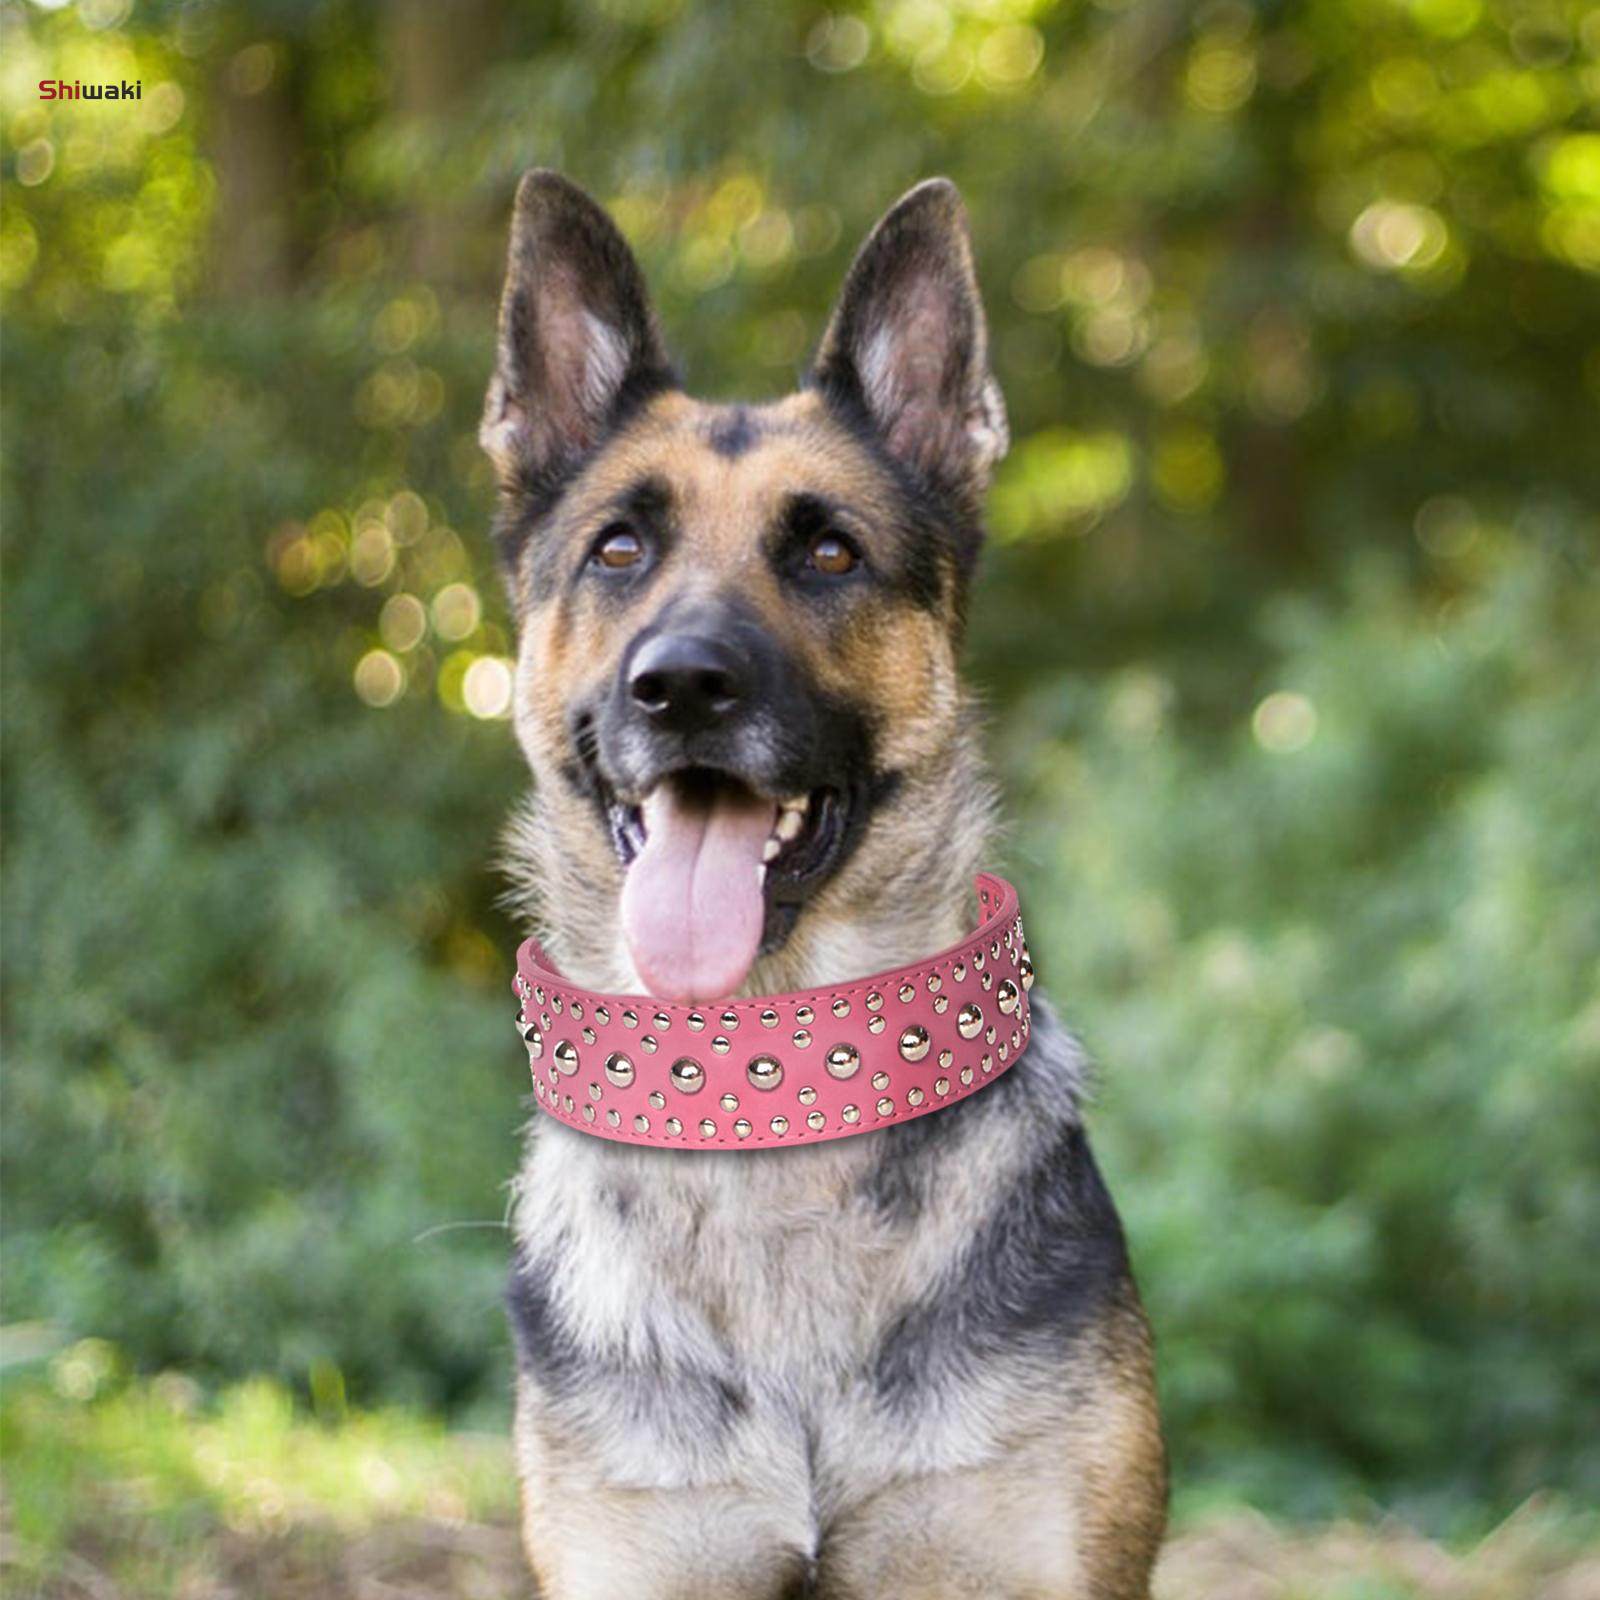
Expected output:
(802, 1038)
(1025, 972)
(935, 983)
(535, 1044)
(779, 1125)
(555, 1004)
(987, 981)
(577, 1010)
(520, 984)
(566, 1104)
(1016, 1040)
(977, 961)
(880, 1080)
(538, 993)
(688, 1076)
(614, 1117)
(841, 1007)
(994, 948)
(708, 1129)
(851, 1114)
(914, 1043)
(807, 1096)
(565, 1057)
(1005, 1049)
(968, 1020)
(641, 1123)
(595, 1091)
(989, 1034)
(946, 1057)
(673, 1126)
(843, 1061)
(741, 1129)
(804, 1014)
(619, 1069)
(648, 1043)
(816, 1122)
(720, 1045)
(987, 1063)
(764, 1072)
(730, 1021)
(959, 971)
(730, 1102)
(528, 1030)
(769, 1018)
(662, 1021)
(545, 1019)
(907, 994)
(588, 1035)
(966, 1074)
(874, 1025)
(588, 1113)
(1006, 997)
(941, 1086)
(915, 1097)
(885, 1107)
(657, 1100)
(941, 1004)
(695, 1021)
(874, 1001)
(602, 1015)
(630, 1019)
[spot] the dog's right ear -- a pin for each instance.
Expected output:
(578, 341)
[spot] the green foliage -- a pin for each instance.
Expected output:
(1288, 627)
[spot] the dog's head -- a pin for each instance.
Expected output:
(738, 624)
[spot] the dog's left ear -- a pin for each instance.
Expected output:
(908, 345)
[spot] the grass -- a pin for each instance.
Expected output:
(133, 1490)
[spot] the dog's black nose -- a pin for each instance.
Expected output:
(686, 681)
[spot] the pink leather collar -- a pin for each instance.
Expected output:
(782, 1069)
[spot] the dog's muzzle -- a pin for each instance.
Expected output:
(787, 1069)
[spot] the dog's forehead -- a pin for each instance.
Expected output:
(729, 468)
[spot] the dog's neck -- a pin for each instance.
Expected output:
(919, 901)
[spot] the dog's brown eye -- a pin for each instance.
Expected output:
(830, 554)
(620, 547)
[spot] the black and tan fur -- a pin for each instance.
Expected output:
(906, 1364)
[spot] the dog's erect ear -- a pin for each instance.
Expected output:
(578, 339)
(908, 344)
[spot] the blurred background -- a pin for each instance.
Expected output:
(1290, 628)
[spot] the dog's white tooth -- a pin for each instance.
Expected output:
(796, 802)
(789, 826)
(761, 875)
(771, 849)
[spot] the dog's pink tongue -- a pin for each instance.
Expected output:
(692, 907)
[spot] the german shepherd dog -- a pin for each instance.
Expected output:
(906, 1365)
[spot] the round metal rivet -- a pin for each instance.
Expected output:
(959, 971)
(874, 1024)
(662, 1021)
(741, 1129)
(658, 1100)
(769, 1018)
(1016, 1040)
(641, 1123)
(968, 1020)
(566, 1104)
(673, 1126)
(841, 1007)
(602, 1015)
(989, 1034)
(851, 1114)
(874, 1001)
(688, 1076)
(630, 1019)
(648, 1043)
(614, 1117)
(1005, 1049)
(779, 1125)
(941, 1086)
(994, 948)
(1006, 997)
(619, 1069)
(535, 1044)
(935, 983)
(987, 981)
(565, 1057)
(807, 1096)
(946, 1057)
(880, 1080)
(843, 1061)
(538, 993)
(577, 1010)
(966, 1074)
(977, 961)
(555, 1004)
(721, 1045)
(595, 1091)
(588, 1113)
(816, 1122)
(730, 1102)
(907, 994)
(588, 1035)
(885, 1107)
(987, 1063)
(730, 1021)
(914, 1043)
(941, 1004)
(802, 1038)
(695, 1021)
(804, 1014)
(915, 1097)
(764, 1072)
(708, 1129)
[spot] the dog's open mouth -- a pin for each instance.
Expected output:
(715, 873)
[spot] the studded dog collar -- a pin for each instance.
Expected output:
(783, 1069)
